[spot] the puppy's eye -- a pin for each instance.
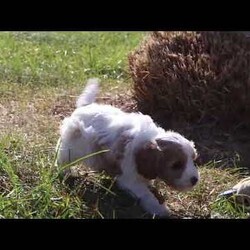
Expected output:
(177, 166)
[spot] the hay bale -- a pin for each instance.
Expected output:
(192, 76)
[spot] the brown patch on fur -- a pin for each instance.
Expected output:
(173, 162)
(111, 160)
(147, 161)
(107, 162)
(165, 160)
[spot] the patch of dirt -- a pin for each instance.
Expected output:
(123, 101)
(65, 105)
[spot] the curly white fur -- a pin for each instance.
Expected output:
(93, 126)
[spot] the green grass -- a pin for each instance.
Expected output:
(64, 58)
(41, 73)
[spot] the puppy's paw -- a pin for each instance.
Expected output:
(155, 208)
(162, 211)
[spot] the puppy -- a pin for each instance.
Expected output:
(139, 150)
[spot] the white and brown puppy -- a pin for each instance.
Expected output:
(139, 149)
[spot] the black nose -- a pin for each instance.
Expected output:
(194, 180)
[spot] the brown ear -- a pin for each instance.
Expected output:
(147, 159)
(173, 159)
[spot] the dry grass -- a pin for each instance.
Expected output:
(107, 201)
(193, 76)
(31, 184)
(26, 136)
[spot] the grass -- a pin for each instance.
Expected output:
(41, 73)
(64, 58)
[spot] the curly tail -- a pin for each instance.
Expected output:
(89, 94)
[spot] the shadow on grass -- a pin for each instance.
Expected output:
(102, 197)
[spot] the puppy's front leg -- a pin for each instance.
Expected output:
(147, 199)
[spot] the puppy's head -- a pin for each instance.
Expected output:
(171, 159)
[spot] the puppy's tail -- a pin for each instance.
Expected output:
(89, 94)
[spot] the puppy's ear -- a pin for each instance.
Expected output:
(173, 160)
(147, 158)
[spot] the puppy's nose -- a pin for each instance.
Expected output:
(194, 180)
